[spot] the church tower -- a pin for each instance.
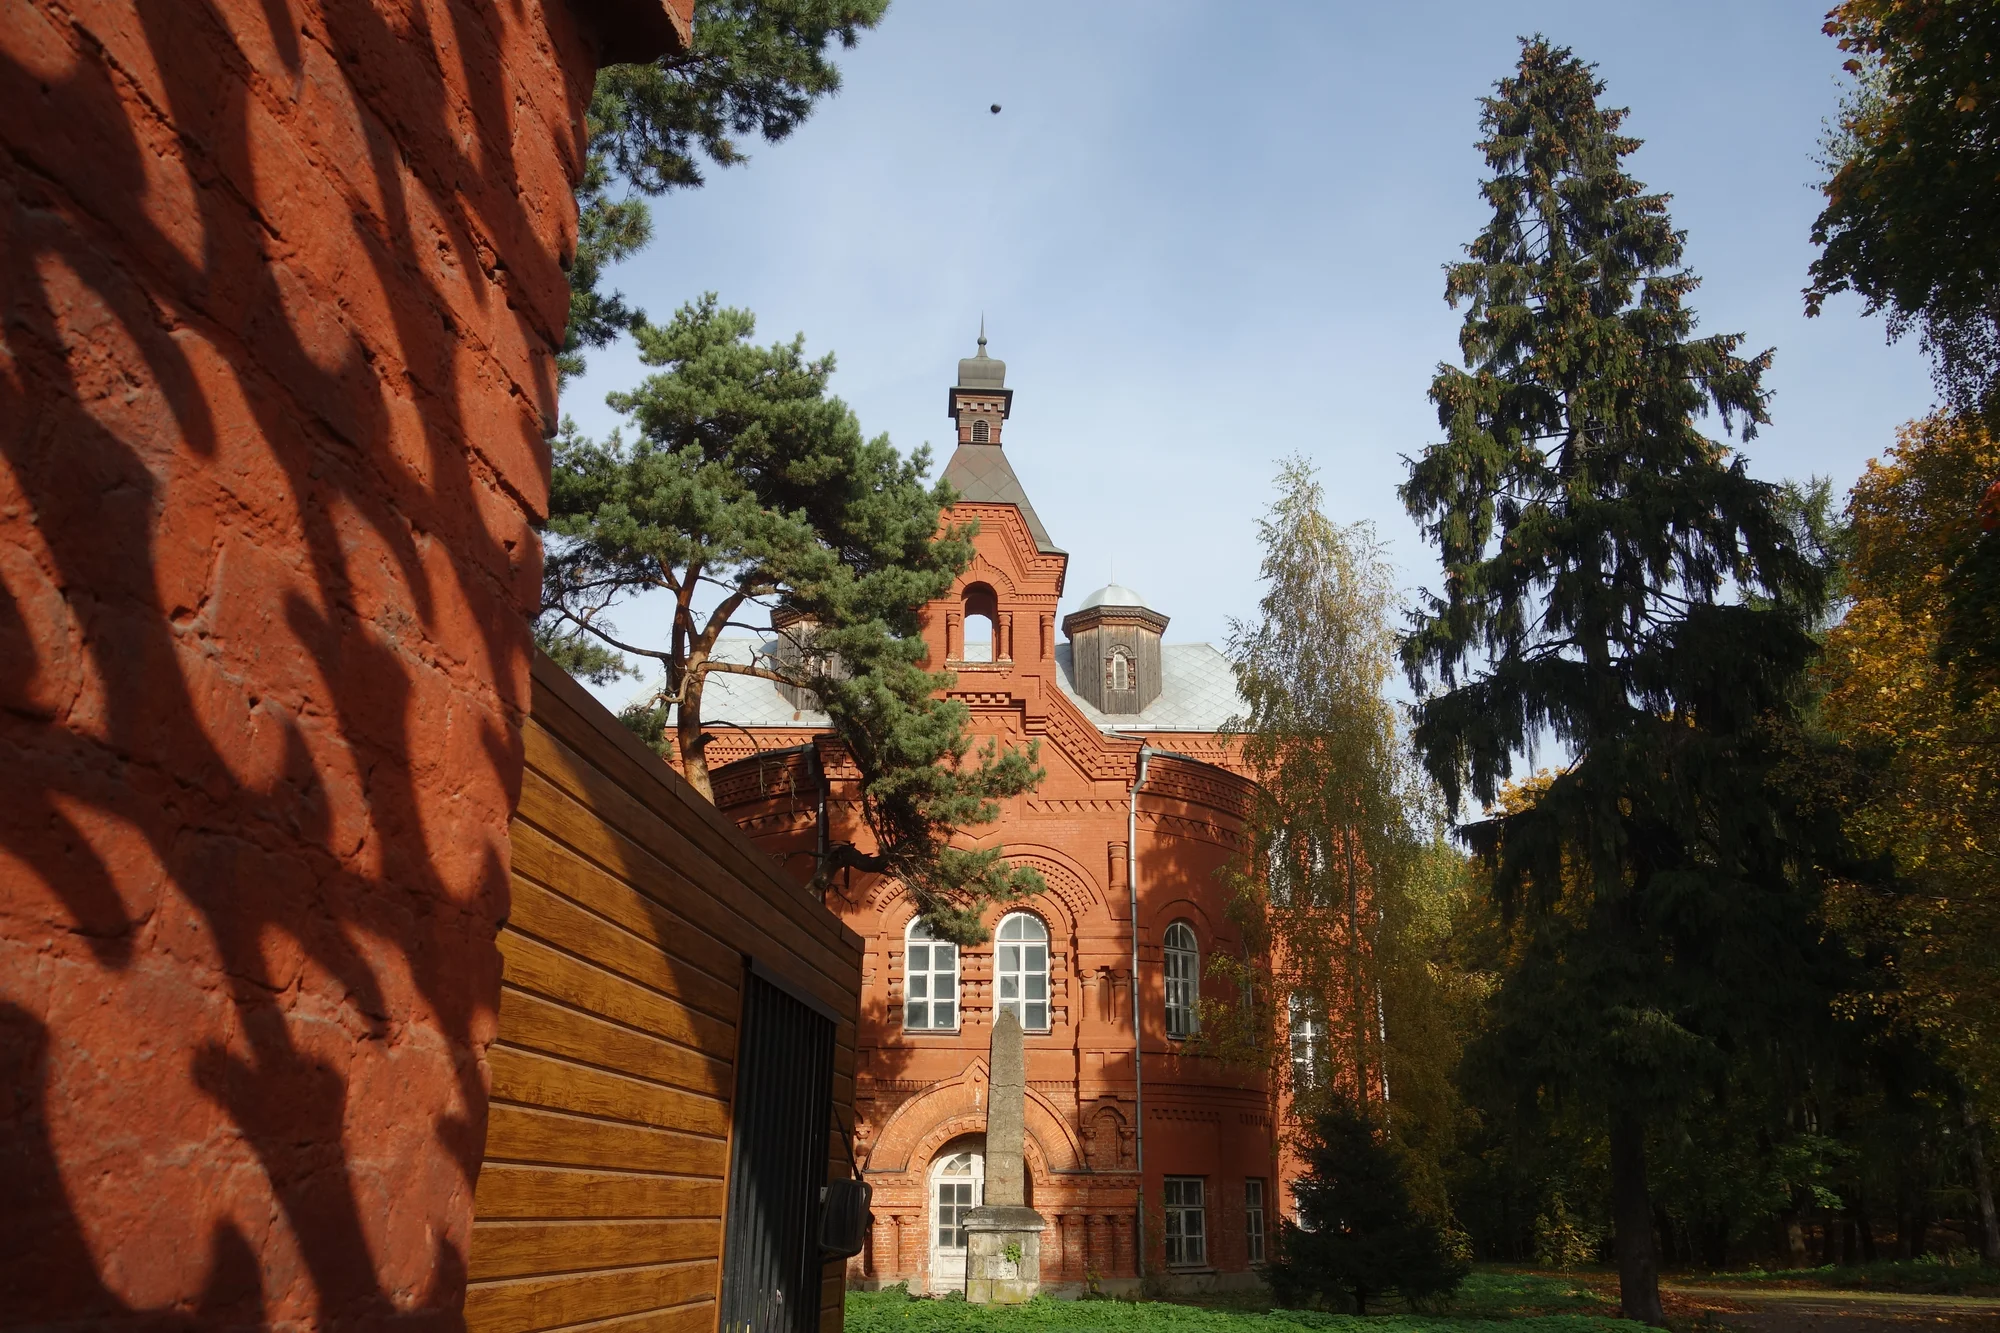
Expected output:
(979, 404)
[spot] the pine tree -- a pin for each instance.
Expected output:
(1363, 1237)
(750, 490)
(751, 67)
(1616, 581)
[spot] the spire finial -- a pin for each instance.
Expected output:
(982, 333)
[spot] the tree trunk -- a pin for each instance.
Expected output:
(687, 737)
(1715, 1247)
(1982, 1182)
(1867, 1234)
(1632, 1220)
(1795, 1237)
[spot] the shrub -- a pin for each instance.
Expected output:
(1363, 1237)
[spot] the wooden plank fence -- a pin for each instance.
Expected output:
(635, 908)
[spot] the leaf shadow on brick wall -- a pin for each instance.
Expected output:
(183, 396)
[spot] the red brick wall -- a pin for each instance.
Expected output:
(279, 293)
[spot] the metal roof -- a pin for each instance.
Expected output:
(1112, 594)
(1197, 692)
(749, 701)
(982, 371)
(981, 474)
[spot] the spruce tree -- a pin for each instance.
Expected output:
(1363, 1236)
(750, 491)
(1617, 582)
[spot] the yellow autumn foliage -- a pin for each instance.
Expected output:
(1934, 810)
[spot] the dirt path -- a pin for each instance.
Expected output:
(1815, 1310)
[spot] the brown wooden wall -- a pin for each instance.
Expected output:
(634, 905)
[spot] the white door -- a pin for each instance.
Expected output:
(958, 1185)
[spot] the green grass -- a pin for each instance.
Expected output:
(1498, 1293)
(1520, 1300)
(1931, 1275)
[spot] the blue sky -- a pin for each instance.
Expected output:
(1207, 236)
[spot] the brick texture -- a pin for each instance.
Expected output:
(280, 288)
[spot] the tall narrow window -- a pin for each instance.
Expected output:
(930, 981)
(1187, 1223)
(981, 432)
(982, 614)
(1308, 1033)
(1253, 1220)
(1021, 969)
(1296, 868)
(1282, 874)
(1118, 674)
(1183, 973)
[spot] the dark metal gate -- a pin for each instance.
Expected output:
(777, 1161)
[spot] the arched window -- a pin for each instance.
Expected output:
(1118, 674)
(981, 432)
(930, 981)
(1021, 969)
(1308, 1038)
(982, 611)
(1183, 988)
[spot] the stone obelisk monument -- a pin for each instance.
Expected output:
(1003, 1237)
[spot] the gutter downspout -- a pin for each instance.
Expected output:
(819, 822)
(1138, 1040)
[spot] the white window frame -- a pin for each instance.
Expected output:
(1015, 941)
(1181, 959)
(1253, 1219)
(982, 431)
(1307, 1033)
(930, 979)
(1186, 1205)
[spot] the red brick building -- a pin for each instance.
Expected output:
(1142, 804)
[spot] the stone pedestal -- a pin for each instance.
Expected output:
(1003, 1254)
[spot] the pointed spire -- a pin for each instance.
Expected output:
(980, 371)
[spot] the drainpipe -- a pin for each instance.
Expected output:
(819, 820)
(1138, 1041)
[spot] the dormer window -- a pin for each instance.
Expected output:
(1118, 671)
(982, 433)
(1116, 663)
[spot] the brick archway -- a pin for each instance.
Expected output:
(927, 1121)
